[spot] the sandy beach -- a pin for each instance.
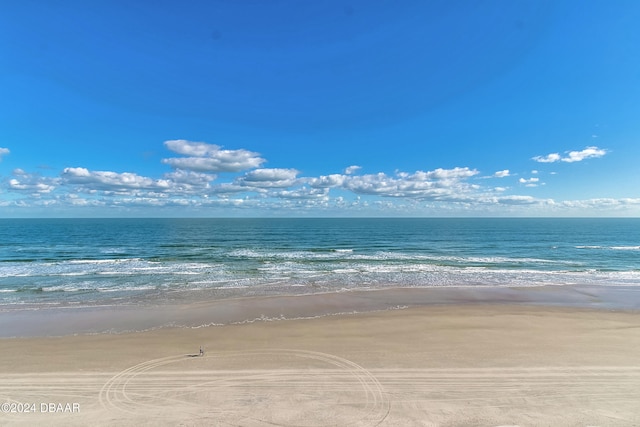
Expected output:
(441, 365)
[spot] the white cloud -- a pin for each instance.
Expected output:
(303, 193)
(269, 178)
(190, 177)
(226, 188)
(327, 181)
(31, 183)
(572, 156)
(549, 158)
(205, 157)
(517, 200)
(192, 187)
(379, 183)
(440, 184)
(112, 181)
(189, 148)
(589, 152)
(526, 181)
(31, 186)
(445, 174)
(352, 169)
(602, 205)
(531, 182)
(189, 182)
(3, 152)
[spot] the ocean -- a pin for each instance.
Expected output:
(102, 262)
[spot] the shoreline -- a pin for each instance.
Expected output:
(436, 365)
(89, 320)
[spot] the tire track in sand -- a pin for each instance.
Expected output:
(303, 388)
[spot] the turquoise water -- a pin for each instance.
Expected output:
(77, 262)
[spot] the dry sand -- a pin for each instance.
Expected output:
(456, 365)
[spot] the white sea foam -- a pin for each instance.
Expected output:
(614, 248)
(346, 270)
(69, 288)
(128, 289)
(387, 256)
(298, 261)
(104, 261)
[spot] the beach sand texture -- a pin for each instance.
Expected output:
(456, 365)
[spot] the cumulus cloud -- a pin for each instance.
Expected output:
(303, 193)
(352, 169)
(440, 184)
(327, 181)
(203, 157)
(572, 156)
(440, 174)
(193, 184)
(589, 152)
(112, 181)
(31, 183)
(517, 200)
(3, 152)
(610, 205)
(32, 186)
(549, 158)
(531, 182)
(190, 177)
(269, 178)
(226, 188)
(189, 148)
(188, 181)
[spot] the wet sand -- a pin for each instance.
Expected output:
(453, 364)
(194, 309)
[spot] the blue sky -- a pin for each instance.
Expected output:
(319, 108)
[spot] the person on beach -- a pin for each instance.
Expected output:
(201, 351)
